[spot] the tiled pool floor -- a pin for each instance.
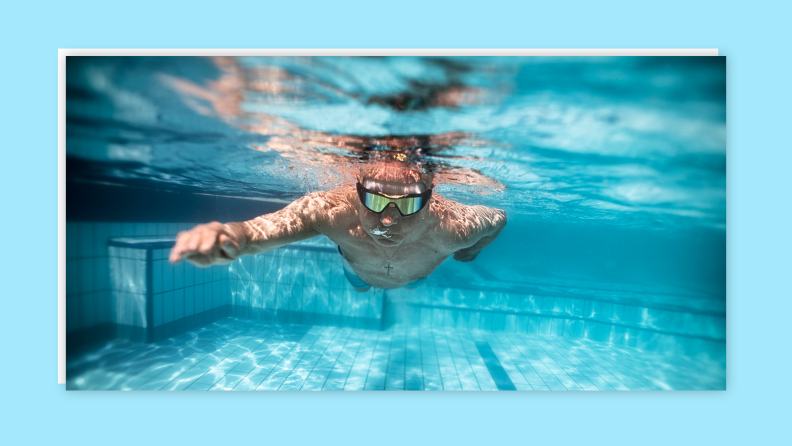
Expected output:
(241, 354)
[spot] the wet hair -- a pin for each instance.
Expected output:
(396, 172)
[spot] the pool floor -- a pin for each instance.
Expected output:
(242, 354)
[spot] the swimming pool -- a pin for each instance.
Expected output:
(610, 274)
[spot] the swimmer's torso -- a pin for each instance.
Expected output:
(416, 245)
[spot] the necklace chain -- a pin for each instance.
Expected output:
(388, 268)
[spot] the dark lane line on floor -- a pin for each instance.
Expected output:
(502, 381)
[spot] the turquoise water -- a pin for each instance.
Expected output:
(610, 274)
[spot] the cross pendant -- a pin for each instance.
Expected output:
(389, 268)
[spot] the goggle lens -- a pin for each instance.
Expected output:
(407, 206)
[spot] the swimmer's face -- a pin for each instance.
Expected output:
(390, 228)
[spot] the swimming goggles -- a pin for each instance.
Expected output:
(407, 204)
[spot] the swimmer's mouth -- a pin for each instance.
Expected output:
(384, 233)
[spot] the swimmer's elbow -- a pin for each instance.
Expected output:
(499, 220)
(501, 216)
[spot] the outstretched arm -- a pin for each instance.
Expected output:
(488, 225)
(218, 244)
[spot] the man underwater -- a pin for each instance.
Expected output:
(391, 230)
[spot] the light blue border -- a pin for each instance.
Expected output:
(752, 410)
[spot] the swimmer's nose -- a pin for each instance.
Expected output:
(390, 216)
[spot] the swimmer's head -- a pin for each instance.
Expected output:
(395, 178)
(389, 228)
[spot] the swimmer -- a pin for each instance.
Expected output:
(391, 229)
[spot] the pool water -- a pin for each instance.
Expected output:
(610, 274)
(242, 354)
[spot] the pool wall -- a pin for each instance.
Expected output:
(280, 286)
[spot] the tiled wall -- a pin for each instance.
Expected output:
(183, 290)
(276, 284)
(89, 297)
(303, 282)
(177, 291)
(648, 328)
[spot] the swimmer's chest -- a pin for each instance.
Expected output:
(412, 261)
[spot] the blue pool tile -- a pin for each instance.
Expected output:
(73, 277)
(240, 293)
(189, 274)
(530, 303)
(87, 279)
(283, 294)
(474, 320)
(178, 275)
(178, 304)
(485, 322)
(348, 298)
(199, 299)
(167, 275)
(494, 366)
(72, 240)
(208, 296)
(88, 310)
(101, 267)
(139, 229)
(313, 384)
(595, 310)
(84, 237)
(298, 270)
(168, 307)
(268, 295)
(334, 385)
(151, 229)
(100, 238)
(217, 294)
(544, 326)
(254, 295)
(158, 309)
(606, 313)
(630, 314)
(189, 301)
(162, 229)
(546, 304)
(157, 280)
(618, 312)
(498, 322)
(510, 323)
(127, 229)
(556, 327)
(573, 328)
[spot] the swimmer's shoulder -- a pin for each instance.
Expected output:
(332, 208)
(445, 223)
(458, 224)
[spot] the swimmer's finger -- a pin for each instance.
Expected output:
(207, 241)
(174, 256)
(186, 244)
(178, 248)
(228, 246)
(198, 259)
(191, 241)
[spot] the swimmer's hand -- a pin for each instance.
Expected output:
(466, 255)
(206, 245)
